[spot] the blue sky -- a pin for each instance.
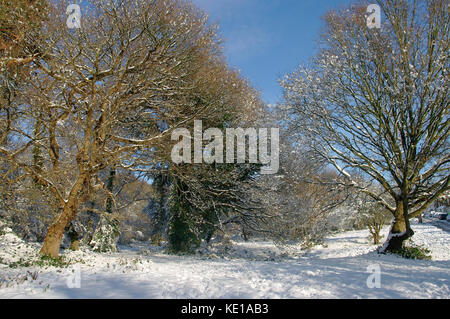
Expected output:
(266, 39)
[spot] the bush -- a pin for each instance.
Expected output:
(42, 261)
(413, 252)
(187, 225)
(157, 239)
(182, 239)
(106, 235)
(373, 216)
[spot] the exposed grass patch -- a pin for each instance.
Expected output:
(44, 262)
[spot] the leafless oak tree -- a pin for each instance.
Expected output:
(132, 64)
(377, 101)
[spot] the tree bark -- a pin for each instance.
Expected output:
(75, 245)
(110, 188)
(400, 230)
(74, 237)
(419, 218)
(55, 232)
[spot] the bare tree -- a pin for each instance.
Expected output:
(18, 22)
(303, 197)
(128, 61)
(377, 101)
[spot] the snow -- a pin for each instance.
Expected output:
(258, 269)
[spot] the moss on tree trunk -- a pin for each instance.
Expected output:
(400, 230)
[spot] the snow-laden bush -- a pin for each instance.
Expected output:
(106, 235)
(413, 252)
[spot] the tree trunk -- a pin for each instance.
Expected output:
(53, 238)
(400, 230)
(74, 236)
(75, 245)
(55, 232)
(419, 218)
(110, 188)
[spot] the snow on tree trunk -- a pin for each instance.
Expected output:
(399, 232)
(106, 235)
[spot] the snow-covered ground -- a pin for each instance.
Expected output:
(339, 269)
